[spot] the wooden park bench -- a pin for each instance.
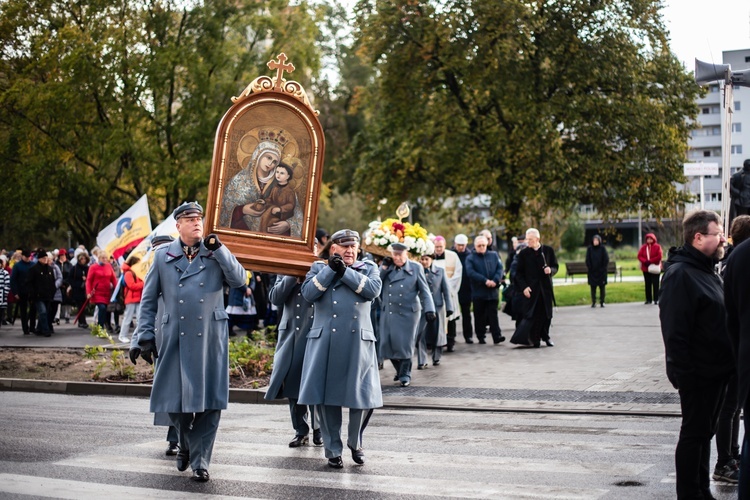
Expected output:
(573, 268)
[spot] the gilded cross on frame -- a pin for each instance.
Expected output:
(280, 68)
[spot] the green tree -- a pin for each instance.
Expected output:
(574, 234)
(539, 104)
(105, 100)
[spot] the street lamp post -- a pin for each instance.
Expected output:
(706, 73)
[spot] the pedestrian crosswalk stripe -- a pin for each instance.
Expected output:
(44, 487)
(479, 461)
(348, 479)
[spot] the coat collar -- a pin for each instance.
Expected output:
(405, 269)
(174, 254)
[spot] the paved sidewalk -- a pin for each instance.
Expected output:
(608, 360)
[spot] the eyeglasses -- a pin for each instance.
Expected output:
(720, 235)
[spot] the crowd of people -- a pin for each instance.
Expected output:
(42, 288)
(703, 313)
(354, 310)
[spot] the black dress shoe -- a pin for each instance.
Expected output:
(395, 378)
(436, 363)
(549, 343)
(299, 441)
(501, 339)
(200, 475)
(336, 463)
(183, 460)
(317, 437)
(172, 450)
(482, 341)
(358, 455)
(537, 344)
(449, 349)
(469, 341)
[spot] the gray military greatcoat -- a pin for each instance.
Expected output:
(295, 323)
(441, 296)
(192, 374)
(405, 293)
(341, 366)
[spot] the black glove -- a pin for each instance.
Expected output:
(449, 313)
(430, 316)
(148, 349)
(387, 261)
(134, 353)
(211, 242)
(336, 263)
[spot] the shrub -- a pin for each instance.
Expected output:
(116, 359)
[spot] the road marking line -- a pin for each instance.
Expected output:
(347, 479)
(39, 486)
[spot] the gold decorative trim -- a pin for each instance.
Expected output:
(278, 83)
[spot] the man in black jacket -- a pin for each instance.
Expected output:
(698, 350)
(536, 266)
(736, 298)
(19, 287)
(42, 289)
(464, 292)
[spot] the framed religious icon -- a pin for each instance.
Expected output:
(265, 176)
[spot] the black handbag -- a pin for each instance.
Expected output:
(116, 307)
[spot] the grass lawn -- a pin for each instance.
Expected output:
(576, 295)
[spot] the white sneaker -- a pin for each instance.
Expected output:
(124, 340)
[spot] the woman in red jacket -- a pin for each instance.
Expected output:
(100, 282)
(133, 289)
(650, 254)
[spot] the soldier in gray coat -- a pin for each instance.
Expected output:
(191, 381)
(405, 294)
(341, 367)
(441, 296)
(296, 319)
(162, 419)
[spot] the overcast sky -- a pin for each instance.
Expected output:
(704, 29)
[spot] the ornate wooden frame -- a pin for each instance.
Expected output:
(270, 109)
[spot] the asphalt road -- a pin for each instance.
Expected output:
(85, 447)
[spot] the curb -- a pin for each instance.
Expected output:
(250, 396)
(255, 396)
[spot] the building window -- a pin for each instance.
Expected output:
(737, 149)
(747, 58)
(707, 153)
(737, 106)
(713, 88)
(716, 130)
(736, 127)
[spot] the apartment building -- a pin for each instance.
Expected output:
(705, 144)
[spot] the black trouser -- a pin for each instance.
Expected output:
(652, 286)
(485, 313)
(466, 320)
(28, 312)
(701, 403)
(601, 294)
(82, 316)
(43, 309)
(451, 333)
(728, 427)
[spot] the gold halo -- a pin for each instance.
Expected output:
(250, 141)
